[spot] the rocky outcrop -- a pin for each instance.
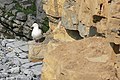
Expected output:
(88, 59)
(17, 16)
(89, 17)
(94, 58)
(14, 63)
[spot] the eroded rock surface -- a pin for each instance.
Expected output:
(95, 58)
(83, 15)
(89, 59)
(14, 63)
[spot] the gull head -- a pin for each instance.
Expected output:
(35, 25)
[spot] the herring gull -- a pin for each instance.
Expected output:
(37, 33)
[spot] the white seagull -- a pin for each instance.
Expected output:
(36, 32)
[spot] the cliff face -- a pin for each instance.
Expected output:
(83, 58)
(83, 15)
(84, 43)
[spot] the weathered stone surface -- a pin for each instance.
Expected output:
(38, 50)
(14, 63)
(14, 70)
(53, 8)
(88, 59)
(65, 35)
(30, 19)
(104, 15)
(9, 7)
(21, 16)
(3, 2)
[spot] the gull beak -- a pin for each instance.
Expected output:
(31, 28)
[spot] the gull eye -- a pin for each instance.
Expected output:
(32, 27)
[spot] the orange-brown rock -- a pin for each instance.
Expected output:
(102, 14)
(38, 50)
(88, 59)
(53, 7)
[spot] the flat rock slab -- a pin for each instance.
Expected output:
(88, 59)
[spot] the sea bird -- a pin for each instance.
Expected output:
(37, 33)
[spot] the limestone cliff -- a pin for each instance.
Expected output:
(81, 60)
(84, 15)
(84, 42)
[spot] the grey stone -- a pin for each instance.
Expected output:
(27, 71)
(19, 0)
(82, 30)
(2, 79)
(10, 78)
(10, 45)
(17, 50)
(16, 29)
(14, 11)
(11, 54)
(11, 40)
(14, 70)
(1, 12)
(8, 42)
(1, 67)
(26, 30)
(67, 22)
(4, 42)
(2, 19)
(20, 43)
(31, 64)
(9, 7)
(1, 27)
(14, 65)
(16, 61)
(17, 37)
(4, 59)
(3, 2)
(7, 65)
(1, 53)
(27, 6)
(36, 69)
(36, 78)
(23, 61)
(11, 18)
(74, 19)
(21, 77)
(1, 5)
(39, 14)
(1, 57)
(22, 55)
(3, 75)
(21, 16)
(30, 19)
(6, 16)
(24, 47)
(17, 22)
(22, 23)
